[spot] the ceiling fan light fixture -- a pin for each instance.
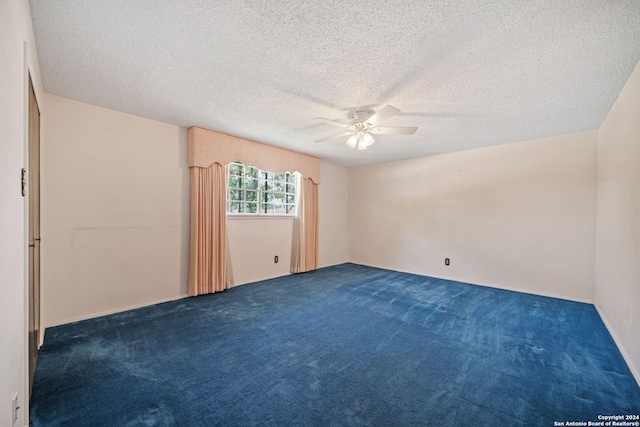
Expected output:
(368, 139)
(353, 140)
(360, 139)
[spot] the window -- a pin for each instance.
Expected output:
(255, 192)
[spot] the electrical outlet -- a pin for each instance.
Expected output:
(446, 261)
(14, 409)
(275, 259)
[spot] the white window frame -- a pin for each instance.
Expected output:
(269, 202)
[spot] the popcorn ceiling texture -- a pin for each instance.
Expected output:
(469, 74)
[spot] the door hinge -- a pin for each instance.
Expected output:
(23, 180)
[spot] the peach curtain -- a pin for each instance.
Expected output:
(304, 251)
(210, 263)
(208, 258)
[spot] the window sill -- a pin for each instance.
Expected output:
(258, 217)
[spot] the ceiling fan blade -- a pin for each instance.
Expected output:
(382, 115)
(334, 122)
(380, 130)
(334, 136)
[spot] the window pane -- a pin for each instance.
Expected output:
(236, 169)
(291, 198)
(251, 207)
(249, 182)
(279, 186)
(266, 208)
(291, 178)
(235, 182)
(279, 198)
(233, 207)
(251, 196)
(235, 195)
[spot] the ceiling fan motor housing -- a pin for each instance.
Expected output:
(360, 114)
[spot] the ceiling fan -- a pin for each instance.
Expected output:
(366, 124)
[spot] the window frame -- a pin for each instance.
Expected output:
(271, 190)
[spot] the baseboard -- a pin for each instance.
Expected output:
(260, 279)
(524, 291)
(334, 264)
(117, 310)
(486, 285)
(282, 275)
(132, 307)
(634, 370)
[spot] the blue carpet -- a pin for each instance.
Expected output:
(344, 345)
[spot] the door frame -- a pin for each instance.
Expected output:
(34, 262)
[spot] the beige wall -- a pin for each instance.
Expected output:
(254, 242)
(17, 59)
(333, 196)
(115, 215)
(115, 211)
(617, 292)
(516, 216)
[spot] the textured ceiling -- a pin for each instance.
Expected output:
(467, 73)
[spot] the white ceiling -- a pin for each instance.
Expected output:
(467, 73)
